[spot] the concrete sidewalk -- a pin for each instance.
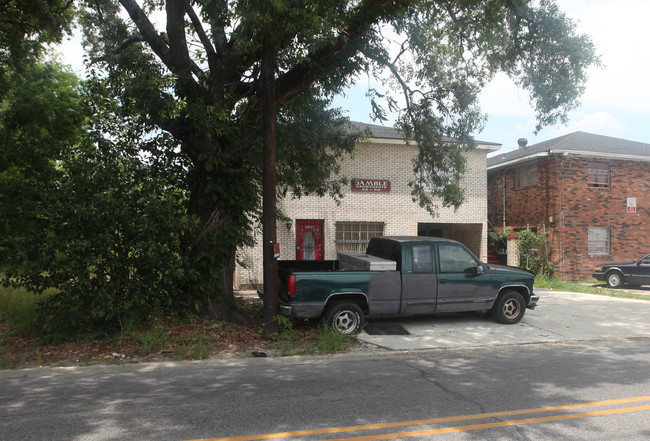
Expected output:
(559, 317)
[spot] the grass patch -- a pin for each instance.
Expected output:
(587, 287)
(329, 341)
(18, 307)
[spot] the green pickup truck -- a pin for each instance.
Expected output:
(403, 276)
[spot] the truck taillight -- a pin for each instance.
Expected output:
(291, 285)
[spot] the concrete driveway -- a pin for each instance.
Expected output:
(559, 317)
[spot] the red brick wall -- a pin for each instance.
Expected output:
(526, 206)
(566, 207)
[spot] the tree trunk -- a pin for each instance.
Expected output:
(213, 249)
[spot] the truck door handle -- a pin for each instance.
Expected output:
(442, 281)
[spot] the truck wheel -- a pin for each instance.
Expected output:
(614, 279)
(510, 308)
(345, 317)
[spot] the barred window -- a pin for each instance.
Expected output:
(598, 240)
(525, 176)
(598, 176)
(355, 236)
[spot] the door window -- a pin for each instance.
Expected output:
(422, 258)
(455, 259)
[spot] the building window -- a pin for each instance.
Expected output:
(355, 236)
(525, 176)
(598, 175)
(598, 240)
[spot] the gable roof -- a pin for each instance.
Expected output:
(379, 133)
(577, 143)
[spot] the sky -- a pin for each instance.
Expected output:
(616, 101)
(617, 97)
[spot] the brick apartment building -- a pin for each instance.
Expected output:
(590, 193)
(378, 203)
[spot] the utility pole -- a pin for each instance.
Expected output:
(269, 210)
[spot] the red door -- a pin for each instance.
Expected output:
(309, 239)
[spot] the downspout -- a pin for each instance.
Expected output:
(504, 199)
(565, 156)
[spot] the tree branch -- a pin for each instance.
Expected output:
(405, 88)
(128, 42)
(198, 28)
(172, 50)
(348, 43)
(148, 32)
(180, 57)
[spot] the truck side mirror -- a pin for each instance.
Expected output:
(475, 270)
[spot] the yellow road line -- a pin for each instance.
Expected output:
(448, 420)
(572, 416)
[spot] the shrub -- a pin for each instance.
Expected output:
(533, 254)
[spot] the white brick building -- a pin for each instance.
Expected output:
(379, 204)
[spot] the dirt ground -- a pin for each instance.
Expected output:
(171, 341)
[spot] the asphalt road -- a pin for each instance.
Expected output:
(577, 386)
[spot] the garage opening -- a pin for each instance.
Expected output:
(467, 234)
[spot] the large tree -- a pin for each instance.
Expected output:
(192, 69)
(26, 26)
(41, 118)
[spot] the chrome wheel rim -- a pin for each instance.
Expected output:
(511, 309)
(614, 280)
(346, 322)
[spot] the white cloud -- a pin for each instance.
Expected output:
(501, 98)
(617, 28)
(616, 100)
(602, 123)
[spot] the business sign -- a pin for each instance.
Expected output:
(371, 185)
(631, 205)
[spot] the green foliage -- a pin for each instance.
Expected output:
(114, 242)
(19, 306)
(155, 338)
(498, 242)
(97, 212)
(286, 332)
(26, 25)
(42, 116)
(330, 341)
(533, 251)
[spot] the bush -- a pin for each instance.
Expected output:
(533, 253)
(498, 243)
(112, 240)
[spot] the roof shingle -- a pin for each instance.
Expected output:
(579, 142)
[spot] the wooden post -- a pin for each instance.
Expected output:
(269, 210)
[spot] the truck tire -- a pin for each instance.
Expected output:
(345, 317)
(510, 308)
